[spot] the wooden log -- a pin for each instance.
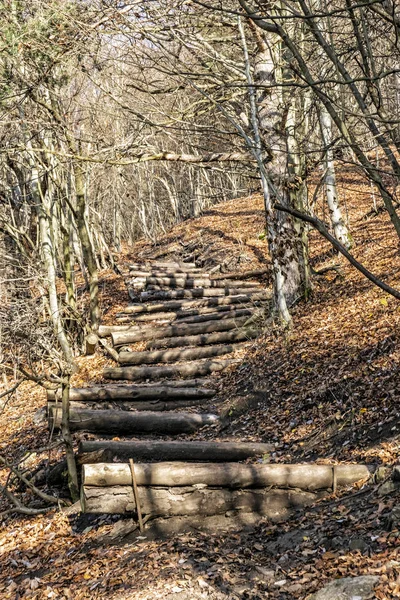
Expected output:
(217, 316)
(129, 423)
(240, 274)
(192, 501)
(309, 477)
(232, 283)
(97, 456)
(185, 314)
(168, 356)
(173, 305)
(204, 339)
(107, 330)
(110, 351)
(121, 338)
(126, 319)
(155, 450)
(176, 266)
(170, 273)
(196, 293)
(194, 284)
(147, 405)
(178, 282)
(90, 344)
(112, 392)
(196, 368)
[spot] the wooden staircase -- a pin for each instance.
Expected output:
(184, 327)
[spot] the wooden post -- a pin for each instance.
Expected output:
(136, 494)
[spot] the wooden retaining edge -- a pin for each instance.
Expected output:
(159, 405)
(196, 368)
(196, 293)
(177, 450)
(185, 314)
(120, 338)
(186, 390)
(129, 423)
(192, 501)
(203, 339)
(178, 355)
(308, 477)
(140, 308)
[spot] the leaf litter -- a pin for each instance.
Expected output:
(325, 391)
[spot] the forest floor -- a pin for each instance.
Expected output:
(326, 391)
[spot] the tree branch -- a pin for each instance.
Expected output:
(319, 226)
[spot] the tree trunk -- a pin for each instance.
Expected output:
(272, 149)
(47, 249)
(339, 227)
(87, 248)
(192, 369)
(64, 423)
(129, 423)
(308, 477)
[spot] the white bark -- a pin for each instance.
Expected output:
(339, 226)
(279, 295)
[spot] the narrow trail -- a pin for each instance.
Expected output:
(183, 327)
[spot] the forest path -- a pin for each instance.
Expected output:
(184, 328)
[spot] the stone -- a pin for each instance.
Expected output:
(358, 544)
(348, 588)
(388, 487)
(264, 574)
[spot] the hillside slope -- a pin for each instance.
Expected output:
(326, 390)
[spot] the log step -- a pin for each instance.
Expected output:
(240, 275)
(192, 501)
(215, 316)
(120, 338)
(165, 283)
(196, 293)
(131, 423)
(171, 356)
(177, 450)
(222, 337)
(161, 265)
(173, 305)
(175, 282)
(185, 390)
(309, 477)
(186, 314)
(192, 274)
(159, 405)
(197, 368)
